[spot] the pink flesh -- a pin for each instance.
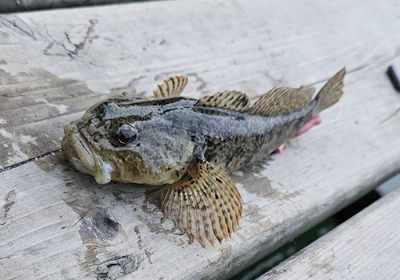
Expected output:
(280, 149)
(315, 120)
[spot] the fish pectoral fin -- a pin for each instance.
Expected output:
(171, 87)
(282, 100)
(229, 99)
(205, 203)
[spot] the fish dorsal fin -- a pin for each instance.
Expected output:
(229, 99)
(205, 204)
(171, 87)
(282, 100)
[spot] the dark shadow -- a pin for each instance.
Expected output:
(12, 6)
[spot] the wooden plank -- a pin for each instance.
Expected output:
(55, 64)
(7, 6)
(59, 224)
(364, 247)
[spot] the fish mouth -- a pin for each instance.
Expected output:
(82, 157)
(77, 150)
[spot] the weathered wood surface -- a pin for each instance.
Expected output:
(364, 247)
(7, 6)
(54, 64)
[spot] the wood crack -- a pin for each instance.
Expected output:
(391, 115)
(80, 46)
(76, 47)
(14, 23)
(355, 69)
(29, 160)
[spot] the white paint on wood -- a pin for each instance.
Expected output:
(59, 224)
(60, 108)
(4, 133)
(27, 139)
(17, 154)
(364, 247)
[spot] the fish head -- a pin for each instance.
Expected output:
(127, 143)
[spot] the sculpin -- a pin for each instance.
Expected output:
(191, 146)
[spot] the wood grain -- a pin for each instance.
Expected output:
(7, 6)
(364, 247)
(54, 64)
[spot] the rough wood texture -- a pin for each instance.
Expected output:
(54, 64)
(364, 247)
(7, 6)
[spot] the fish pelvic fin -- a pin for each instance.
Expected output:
(229, 99)
(205, 204)
(282, 100)
(171, 87)
(331, 92)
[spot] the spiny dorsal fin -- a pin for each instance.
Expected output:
(331, 92)
(205, 203)
(232, 100)
(282, 100)
(171, 87)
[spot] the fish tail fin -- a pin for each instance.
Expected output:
(331, 92)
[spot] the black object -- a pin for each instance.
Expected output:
(393, 73)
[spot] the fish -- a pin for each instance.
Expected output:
(190, 146)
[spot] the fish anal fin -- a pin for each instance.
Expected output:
(205, 204)
(282, 100)
(229, 99)
(171, 87)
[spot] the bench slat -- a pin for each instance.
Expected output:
(7, 6)
(55, 64)
(364, 247)
(58, 223)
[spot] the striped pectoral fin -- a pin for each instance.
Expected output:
(171, 87)
(205, 203)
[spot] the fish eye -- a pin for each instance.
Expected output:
(125, 134)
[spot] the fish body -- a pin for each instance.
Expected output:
(191, 145)
(171, 132)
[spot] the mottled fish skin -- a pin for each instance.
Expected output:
(224, 137)
(240, 139)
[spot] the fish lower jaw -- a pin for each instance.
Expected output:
(73, 157)
(101, 180)
(103, 174)
(77, 149)
(100, 169)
